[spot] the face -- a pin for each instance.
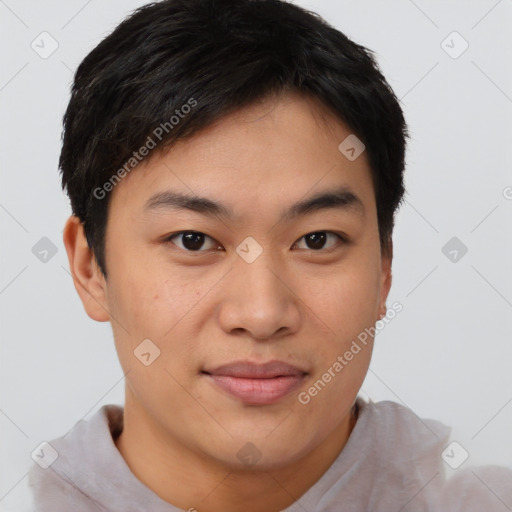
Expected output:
(249, 255)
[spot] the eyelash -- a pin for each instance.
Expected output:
(342, 240)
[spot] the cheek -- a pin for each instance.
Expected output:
(346, 301)
(148, 298)
(154, 307)
(152, 303)
(347, 305)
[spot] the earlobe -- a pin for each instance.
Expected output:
(87, 277)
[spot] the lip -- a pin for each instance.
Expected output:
(256, 383)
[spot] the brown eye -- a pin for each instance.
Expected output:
(319, 240)
(193, 241)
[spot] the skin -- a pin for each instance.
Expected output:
(294, 303)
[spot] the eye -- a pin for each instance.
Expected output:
(320, 240)
(193, 241)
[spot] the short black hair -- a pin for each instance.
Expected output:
(173, 67)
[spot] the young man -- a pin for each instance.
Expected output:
(234, 168)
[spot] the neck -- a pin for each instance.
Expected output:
(191, 480)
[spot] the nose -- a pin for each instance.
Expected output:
(259, 300)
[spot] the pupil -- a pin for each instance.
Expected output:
(317, 240)
(193, 241)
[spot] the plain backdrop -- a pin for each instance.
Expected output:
(447, 355)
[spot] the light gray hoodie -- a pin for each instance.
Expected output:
(392, 462)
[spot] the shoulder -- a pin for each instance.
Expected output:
(403, 455)
(396, 425)
(410, 462)
(477, 488)
(63, 466)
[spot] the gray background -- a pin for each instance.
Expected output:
(447, 355)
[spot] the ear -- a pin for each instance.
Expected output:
(87, 277)
(386, 278)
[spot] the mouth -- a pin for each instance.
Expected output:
(256, 384)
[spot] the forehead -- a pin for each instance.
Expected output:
(270, 153)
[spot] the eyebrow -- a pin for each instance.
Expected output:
(342, 199)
